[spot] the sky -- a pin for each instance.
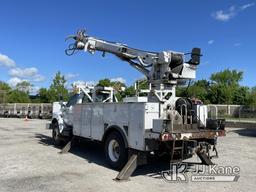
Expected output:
(32, 36)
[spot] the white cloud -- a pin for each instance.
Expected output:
(34, 90)
(21, 73)
(71, 76)
(79, 83)
(31, 73)
(13, 81)
(84, 83)
(120, 79)
(243, 7)
(91, 83)
(38, 78)
(210, 42)
(18, 74)
(6, 61)
(226, 15)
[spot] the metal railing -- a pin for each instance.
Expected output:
(30, 110)
(240, 113)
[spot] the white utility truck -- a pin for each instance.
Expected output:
(159, 123)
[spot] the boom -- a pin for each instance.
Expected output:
(159, 67)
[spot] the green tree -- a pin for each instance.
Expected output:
(17, 96)
(57, 88)
(253, 89)
(224, 85)
(44, 95)
(4, 90)
(220, 94)
(241, 95)
(24, 86)
(252, 97)
(4, 86)
(200, 90)
(129, 92)
(181, 91)
(104, 83)
(227, 77)
(117, 85)
(142, 84)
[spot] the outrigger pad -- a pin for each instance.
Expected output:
(204, 158)
(67, 147)
(128, 169)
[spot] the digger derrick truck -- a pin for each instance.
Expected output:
(160, 123)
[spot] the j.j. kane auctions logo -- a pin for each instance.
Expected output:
(201, 173)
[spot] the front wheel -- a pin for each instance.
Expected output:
(56, 134)
(115, 151)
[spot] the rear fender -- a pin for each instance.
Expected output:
(121, 131)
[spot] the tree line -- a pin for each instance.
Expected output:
(222, 88)
(20, 93)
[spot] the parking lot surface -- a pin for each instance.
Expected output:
(30, 162)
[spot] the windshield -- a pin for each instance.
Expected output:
(73, 100)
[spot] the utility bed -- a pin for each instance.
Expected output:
(136, 120)
(91, 120)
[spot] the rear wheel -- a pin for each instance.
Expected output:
(115, 151)
(56, 134)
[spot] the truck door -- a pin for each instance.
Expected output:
(86, 120)
(67, 111)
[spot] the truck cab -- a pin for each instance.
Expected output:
(63, 112)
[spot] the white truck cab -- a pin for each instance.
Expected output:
(63, 112)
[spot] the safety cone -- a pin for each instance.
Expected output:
(26, 119)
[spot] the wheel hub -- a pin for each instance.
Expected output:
(113, 150)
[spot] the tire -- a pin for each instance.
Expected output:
(115, 151)
(56, 135)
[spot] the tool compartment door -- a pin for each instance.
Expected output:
(82, 120)
(97, 124)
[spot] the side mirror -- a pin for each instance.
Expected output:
(61, 103)
(61, 100)
(195, 56)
